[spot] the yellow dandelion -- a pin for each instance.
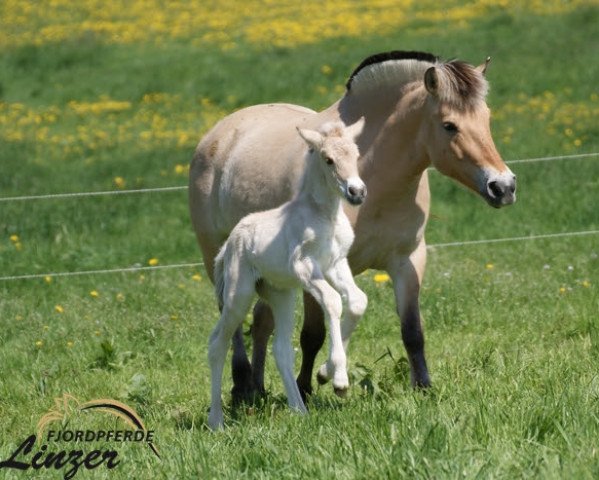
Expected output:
(14, 238)
(174, 317)
(585, 283)
(577, 142)
(58, 309)
(46, 327)
(70, 343)
(197, 277)
(120, 297)
(326, 69)
(381, 278)
(119, 182)
(94, 294)
(39, 343)
(562, 289)
(181, 169)
(97, 333)
(153, 262)
(18, 246)
(48, 279)
(19, 317)
(489, 266)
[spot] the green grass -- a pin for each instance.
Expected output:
(512, 349)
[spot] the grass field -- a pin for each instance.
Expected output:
(115, 96)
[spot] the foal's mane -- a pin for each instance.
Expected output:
(460, 84)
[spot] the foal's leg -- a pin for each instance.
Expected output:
(282, 303)
(332, 305)
(407, 273)
(311, 340)
(355, 302)
(238, 299)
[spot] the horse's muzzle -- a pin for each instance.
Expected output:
(501, 190)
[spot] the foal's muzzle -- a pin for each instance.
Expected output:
(501, 189)
(355, 191)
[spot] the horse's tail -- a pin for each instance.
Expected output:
(219, 276)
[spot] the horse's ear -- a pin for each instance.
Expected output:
(355, 130)
(431, 81)
(312, 137)
(482, 68)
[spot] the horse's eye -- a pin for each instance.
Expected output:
(450, 127)
(329, 160)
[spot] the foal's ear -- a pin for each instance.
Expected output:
(355, 130)
(482, 68)
(431, 81)
(312, 137)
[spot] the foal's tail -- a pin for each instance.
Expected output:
(219, 276)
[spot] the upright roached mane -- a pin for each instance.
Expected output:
(459, 84)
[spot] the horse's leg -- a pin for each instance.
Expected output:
(311, 340)
(262, 329)
(355, 302)
(407, 273)
(282, 303)
(243, 386)
(234, 311)
(331, 303)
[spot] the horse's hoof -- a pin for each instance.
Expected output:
(341, 392)
(246, 395)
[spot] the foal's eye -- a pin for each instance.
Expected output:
(450, 127)
(329, 160)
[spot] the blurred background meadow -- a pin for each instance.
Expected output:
(113, 96)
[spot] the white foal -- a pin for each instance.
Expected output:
(301, 244)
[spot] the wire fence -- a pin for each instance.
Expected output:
(56, 196)
(199, 264)
(139, 268)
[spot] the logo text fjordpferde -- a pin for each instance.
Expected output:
(64, 449)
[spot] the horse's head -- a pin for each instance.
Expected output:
(457, 132)
(336, 152)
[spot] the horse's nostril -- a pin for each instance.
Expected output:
(353, 191)
(495, 189)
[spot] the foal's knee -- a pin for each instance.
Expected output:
(357, 303)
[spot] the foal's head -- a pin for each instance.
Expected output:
(334, 148)
(458, 135)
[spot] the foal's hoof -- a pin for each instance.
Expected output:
(341, 392)
(321, 379)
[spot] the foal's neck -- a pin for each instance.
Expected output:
(315, 189)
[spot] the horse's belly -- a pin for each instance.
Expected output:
(264, 167)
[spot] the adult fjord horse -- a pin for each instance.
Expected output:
(419, 111)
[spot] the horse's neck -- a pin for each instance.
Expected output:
(389, 145)
(315, 191)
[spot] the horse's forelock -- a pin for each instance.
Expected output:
(462, 84)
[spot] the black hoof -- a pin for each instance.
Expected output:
(305, 391)
(246, 394)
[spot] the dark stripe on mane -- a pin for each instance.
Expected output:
(393, 55)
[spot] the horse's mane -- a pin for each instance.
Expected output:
(460, 84)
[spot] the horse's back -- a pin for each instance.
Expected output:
(251, 160)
